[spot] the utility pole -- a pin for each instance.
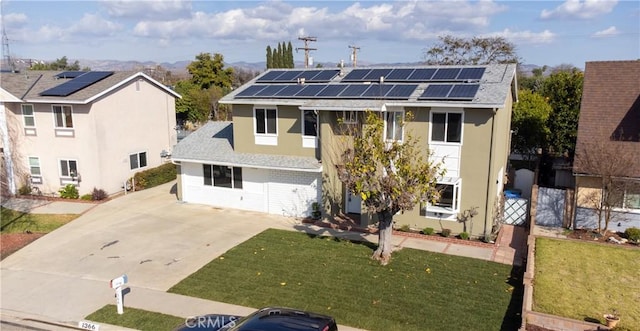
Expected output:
(354, 55)
(306, 48)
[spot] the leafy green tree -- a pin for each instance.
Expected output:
(532, 82)
(452, 50)
(207, 71)
(563, 91)
(389, 176)
(59, 64)
(290, 63)
(529, 123)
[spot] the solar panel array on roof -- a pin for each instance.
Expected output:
(415, 74)
(76, 84)
(329, 91)
(70, 74)
(449, 92)
(292, 76)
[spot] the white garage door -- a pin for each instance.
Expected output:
(291, 193)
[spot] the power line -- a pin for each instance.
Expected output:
(307, 48)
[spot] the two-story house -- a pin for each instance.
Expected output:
(608, 145)
(92, 129)
(278, 155)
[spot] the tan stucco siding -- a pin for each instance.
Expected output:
(588, 191)
(289, 132)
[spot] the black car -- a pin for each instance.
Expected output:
(265, 319)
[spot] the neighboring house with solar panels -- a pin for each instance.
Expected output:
(278, 155)
(608, 143)
(90, 129)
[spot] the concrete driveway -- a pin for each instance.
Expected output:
(148, 235)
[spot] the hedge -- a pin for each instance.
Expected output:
(155, 176)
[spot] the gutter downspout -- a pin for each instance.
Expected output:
(8, 155)
(486, 201)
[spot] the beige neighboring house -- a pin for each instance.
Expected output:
(279, 153)
(91, 129)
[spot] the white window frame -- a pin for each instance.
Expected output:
(624, 207)
(349, 117)
(266, 138)
(71, 178)
(64, 119)
(36, 178)
(29, 130)
(138, 166)
(457, 197)
(446, 126)
(212, 179)
(386, 125)
(309, 141)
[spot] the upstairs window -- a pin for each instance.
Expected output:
(138, 160)
(222, 176)
(28, 116)
(63, 116)
(34, 166)
(266, 120)
(310, 123)
(446, 127)
(394, 126)
(349, 117)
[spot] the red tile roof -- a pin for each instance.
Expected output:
(610, 115)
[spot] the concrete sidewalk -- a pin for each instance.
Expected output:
(157, 241)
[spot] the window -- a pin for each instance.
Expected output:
(446, 127)
(394, 125)
(266, 121)
(310, 123)
(138, 160)
(34, 166)
(449, 196)
(63, 116)
(222, 176)
(28, 116)
(68, 168)
(349, 117)
(630, 198)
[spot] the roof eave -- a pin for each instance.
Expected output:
(235, 164)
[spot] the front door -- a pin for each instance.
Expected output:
(353, 203)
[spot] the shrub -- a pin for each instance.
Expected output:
(632, 234)
(155, 176)
(24, 190)
(404, 228)
(446, 232)
(69, 192)
(464, 235)
(428, 231)
(86, 197)
(98, 194)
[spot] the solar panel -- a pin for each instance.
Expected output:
(310, 90)
(325, 75)
(354, 90)
(289, 90)
(376, 91)
(436, 91)
(269, 91)
(471, 74)
(401, 91)
(77, 84)
(399, 75)
(375, 74)
(251, 90)
(270, 76)
(356, 75)
(422, 75)
(70, 74)
(332, 90)
(446, 74)
(464, 91)
(288, 76)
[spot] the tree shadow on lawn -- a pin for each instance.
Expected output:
(513, 315)
(337, 235)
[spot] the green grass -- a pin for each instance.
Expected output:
(584, 281)
(418, 290)
(135, 318)
(12, 221)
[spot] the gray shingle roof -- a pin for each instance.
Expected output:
(213, 143)
(495, 85)
(29, 84)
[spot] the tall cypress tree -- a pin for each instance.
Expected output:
(280, 56)
(290, 55)
(269, 58)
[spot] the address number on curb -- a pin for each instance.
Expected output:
(88, 326)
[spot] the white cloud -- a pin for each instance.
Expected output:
(608, 32)
(94, 25)
(148, 10)
(14, 20)
(580, 9)
(527, 37)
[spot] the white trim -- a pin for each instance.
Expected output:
(270, 139)
(138, 157)
(68, 179)
(386, 114)
(457, 197)
(231, 164)
(55, 122)
(33, 115)
(308, 141)
(130, 78)
(446, 112)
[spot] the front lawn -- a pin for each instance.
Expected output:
(12, 221)
(418, 290)
(135, 318)
(584, 281)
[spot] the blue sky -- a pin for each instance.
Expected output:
(544, 32)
